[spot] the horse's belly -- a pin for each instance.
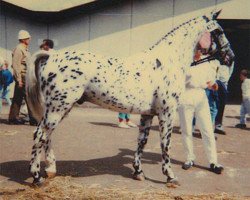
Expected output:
(122, 104)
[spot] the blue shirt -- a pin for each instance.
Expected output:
(6, 78)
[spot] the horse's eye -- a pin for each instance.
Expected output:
(218, 32)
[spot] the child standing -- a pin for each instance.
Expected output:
(245, 105)
(124, 121)
(1, 81)
(5, 80)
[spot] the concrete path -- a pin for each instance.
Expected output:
(91, 148)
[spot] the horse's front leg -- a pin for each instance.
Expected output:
(145, 125)
(166, 119)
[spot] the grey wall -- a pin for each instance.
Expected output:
(120, 29)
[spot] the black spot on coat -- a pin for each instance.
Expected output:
(158, 63)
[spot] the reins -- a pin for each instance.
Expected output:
(207, 59)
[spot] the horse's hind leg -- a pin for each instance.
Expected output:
(51, 123)
(42, 140)
(145, 125)
(50, 159)
(39, 140)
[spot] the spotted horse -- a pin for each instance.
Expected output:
(149, 83)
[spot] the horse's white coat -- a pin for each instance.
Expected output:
(149, 83)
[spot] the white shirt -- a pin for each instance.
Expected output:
(198, 76)
(245, 87)
(196, 81)
(224, 73)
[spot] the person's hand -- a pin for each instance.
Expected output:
(209, 85)
(215, 87)
(212, 86)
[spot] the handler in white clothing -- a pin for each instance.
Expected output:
(195, 103)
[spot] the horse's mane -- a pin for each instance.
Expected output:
(171, 32)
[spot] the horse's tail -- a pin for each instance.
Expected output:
(35, 97)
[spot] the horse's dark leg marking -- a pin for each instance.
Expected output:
(166, 118)
(39, 140)
(145, 125)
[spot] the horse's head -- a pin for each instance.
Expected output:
(220, 47)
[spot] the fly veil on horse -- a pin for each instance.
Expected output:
(156, 80)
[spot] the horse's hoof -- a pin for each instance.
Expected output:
(50, 175)
(38, 182)
(139, 176)
(172, 183)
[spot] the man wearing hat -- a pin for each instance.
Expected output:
(19, 64)
(47, 45)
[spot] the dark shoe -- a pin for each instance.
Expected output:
(188, 164)
(219, 131)
(16, 122)
(33, 123)
(217, 169)
(240, 126)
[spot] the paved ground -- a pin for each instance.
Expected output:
(91, 148)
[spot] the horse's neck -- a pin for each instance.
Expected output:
(182, 40)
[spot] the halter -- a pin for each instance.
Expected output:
(215, 55)
(207, 59)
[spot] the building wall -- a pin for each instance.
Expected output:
(120, 30)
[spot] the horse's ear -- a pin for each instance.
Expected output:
(216, 14)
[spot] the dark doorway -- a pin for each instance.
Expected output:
(238, 33)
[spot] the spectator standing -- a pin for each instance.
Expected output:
(124, 121)
(245, 105)
(223, 75)
(1, 81)
(6, 80)
(19, 63)
(47, 45)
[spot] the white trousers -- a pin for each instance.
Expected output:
(244, 110)
(197, 105)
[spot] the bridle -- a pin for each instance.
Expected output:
(206, 59)
(214, 53)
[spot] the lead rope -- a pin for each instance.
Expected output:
(207, 59)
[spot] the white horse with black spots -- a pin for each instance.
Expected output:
(156, 80)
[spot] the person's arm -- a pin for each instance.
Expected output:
(4, 80)
(16, 63)
(201, 75)
(245, 87)
(231, 69)
(9, 77)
